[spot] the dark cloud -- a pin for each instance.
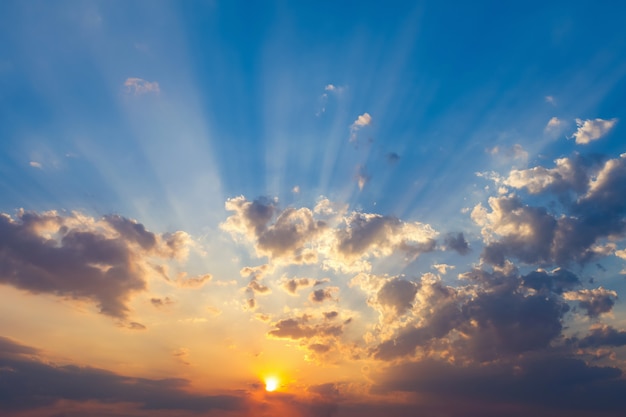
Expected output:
(457, 242)
(302, 327)
(594, 301)
(289, 235)
(392, 157)
(323, 294)
(497, 317)
(558, 281)
(132, 231)
(48, 253)
(258, 288)
(603, 336)
(161, 302)
(397, 294)
(383, 235)
(31, 383)
(550, 383)
(593, 199)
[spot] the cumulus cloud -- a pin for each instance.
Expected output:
(77, 257)
(594, 208)
(603, 335)
(591, 130)
(287, 237)
(569, 174)
(138, 86)
(595, 301)
(397, 294)
(367, 234)
(326, 235)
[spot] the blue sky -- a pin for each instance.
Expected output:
(360, 151)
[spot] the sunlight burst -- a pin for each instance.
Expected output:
(271, 384)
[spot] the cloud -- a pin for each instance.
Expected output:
(595, 301)
(603, 336)
(550, 99)
(443, 268)
(138, 86)
(362, 177)
(554, 126)
(457, 242)
(294, 284)
(161, 302)
(323, 294)
(397, 294)
(591, 130)
(81, 384)
(287, 238)
(77, 257)
(513, 152)
(392, 157)
(35, 164)
(363, 120)
(325, 235)
(374, 235)
(594, 204)
(544, 386)
(304, 327)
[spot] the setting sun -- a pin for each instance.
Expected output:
(271, 384)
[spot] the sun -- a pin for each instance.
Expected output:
(271, 384)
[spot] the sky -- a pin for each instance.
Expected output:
(312, 209)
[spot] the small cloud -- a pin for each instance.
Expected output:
(362, 177)
(590, 130)
(138, 86)
(392, 157)
(35, 164)
(363, 120)
(133, 325)
(554, 125)
(443, 268)
(551, 100)
(161, 302)
(336, 89)
(516, 152)
(296, 189)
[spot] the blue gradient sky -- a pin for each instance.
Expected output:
(405, 117)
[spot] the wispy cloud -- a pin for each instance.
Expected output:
(139, 86)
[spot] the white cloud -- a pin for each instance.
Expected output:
(138, 86)
(554, 125)
(590, 130)
(35, 164)
(363, 120)
(551, 100)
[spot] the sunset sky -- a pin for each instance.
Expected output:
(312, 208)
